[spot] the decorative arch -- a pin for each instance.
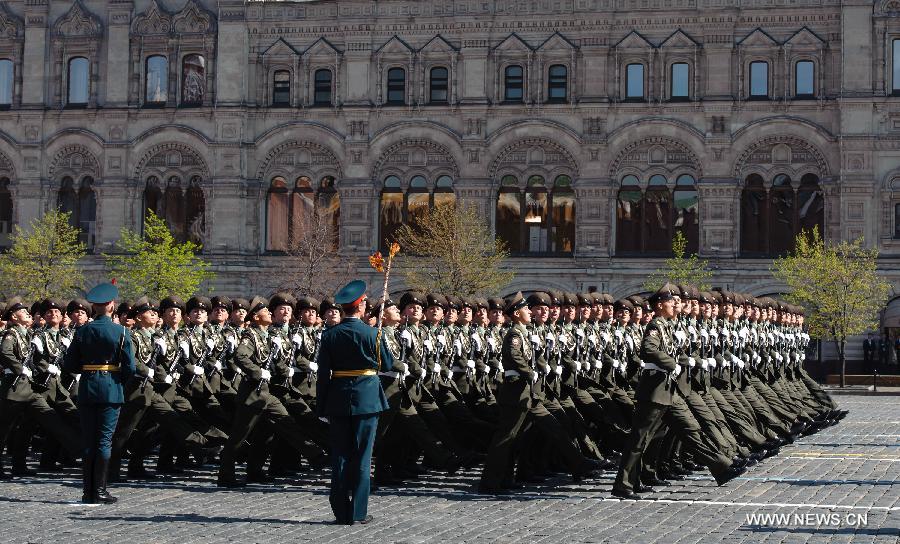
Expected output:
(78, 22)
(299, 154)
(74, 159)
(784, 152)
(421, 153)
(658, 152)
(7, 168)
(533, 152)
(171, 157)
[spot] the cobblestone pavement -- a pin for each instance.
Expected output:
(827, 485)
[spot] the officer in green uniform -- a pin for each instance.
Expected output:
(350, 396)
(102, 353)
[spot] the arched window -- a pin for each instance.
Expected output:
(438, 81)
(686, 208)
(513, 84)
(78, 81)
(6, 82)
(193, 80)
(322, 94)
(281, 88)
(293, 213)
(772, 218)
(391, 216)
(557, 83)
(897, 221)
(157, 76)
(418, 200)
(509, 214)
(153, 197)
(804, 79)
(81, 205)
(628, 216)
(174, 208)
(396, 87)
(679, 82)
(759, 80)
(195, 217)
(443, 192)
(541, 220)
(647, 221)
(634, 82)
(6, 212)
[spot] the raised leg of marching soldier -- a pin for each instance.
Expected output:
(707, 420)
(742, 428)
(612, 437)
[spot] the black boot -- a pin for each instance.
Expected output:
(88, 492)
(100, 468)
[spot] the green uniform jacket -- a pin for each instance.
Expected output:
(654, 386)
(516, 355)
(101, 342)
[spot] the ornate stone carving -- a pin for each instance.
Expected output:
(534, 152)
(192, 20)
(785, 151)
(6, 167)
(297, 154)
(78, 22)
(171, 156)
(416, 153)
(75, 159)
(153, 22)
(655, 151)
(890, 7)
(9, 23)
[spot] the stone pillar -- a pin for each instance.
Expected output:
(720, 72)
(856, 42)
(35, 68)
(231, 54)
(479, 193)
(720, 210)
(358, 60)
(359, 226)
(113, 207)
(232, 207)
(595, 200)
(474, 73)
(117, 49)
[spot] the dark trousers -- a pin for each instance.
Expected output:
(352, 439)
(98, 423)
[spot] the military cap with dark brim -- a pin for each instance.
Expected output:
(412, 297)
(328, 303)
(666, 292)
(255, 305)
(171, 302)
(435, 299)
(304, 303)
(351, 293)
(281, 299)
(198, 303)
(51, 304)
(221, 302)
(78, 304)
(538, 299)
(123, 308)
(514, 303)
(496, 303)
(103, 293)
(140, 306)
(13, 305)
(239, 304)
(623, 304)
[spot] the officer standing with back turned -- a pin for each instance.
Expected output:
(102, 353)
(349, 394)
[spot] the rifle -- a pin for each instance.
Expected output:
(268, 364)
(315, 358)
(151, 363)
(27, 362)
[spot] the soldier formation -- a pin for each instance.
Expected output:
(554, 382)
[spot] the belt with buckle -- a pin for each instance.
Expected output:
(100, 368)
(352, 373)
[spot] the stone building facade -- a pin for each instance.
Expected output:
(588, 132)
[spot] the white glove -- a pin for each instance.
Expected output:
(291, 372)
(492, 342)
(470, 364)
(535, 339)
(237, 370)
(323, 419)
(677, 371)
(53, 369)
(500, 368)
(534, 377)
(457, 348)
(278, 341)
(712, 362)
(619, 334)
(185, 349)
(598, 364)
(477, 341)
(579, 333)
(38, 345)
(616, 364)
(429, 345)
(150, 373)
(218, 366)
(232, 341)
(740, 364)
(297, 340)
(558, 370)
(406, 336)
(420, 372)
(265, 375)
(168, 379)
(77, 378)
(211, 343)
(26, 371)
(405, 371)
(313, 366)
(704, 363)
(198, 370)
(578, 366)
(691, 362)
(442, 340)
(680, 336)
(66, 342)
(436, 368)
(643, 364)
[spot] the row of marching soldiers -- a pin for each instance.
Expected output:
(555, 382)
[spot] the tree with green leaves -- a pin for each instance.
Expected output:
(838, 286)
(452, 250)
(153, 264)
(43, 260)
(681, 268)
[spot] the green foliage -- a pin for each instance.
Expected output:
(681, 269)
(452, 250)
(43, 260)
(837, 284)
(155, 265)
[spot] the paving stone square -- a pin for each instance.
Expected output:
(839, 485)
